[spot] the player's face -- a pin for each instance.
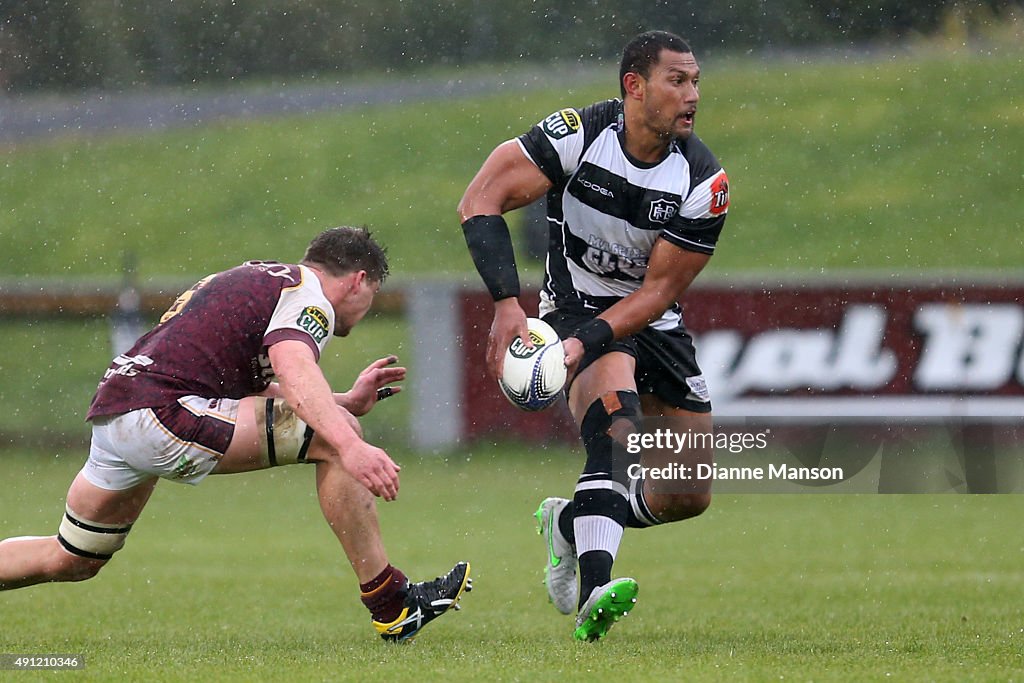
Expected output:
(355, 305)
(671, 93)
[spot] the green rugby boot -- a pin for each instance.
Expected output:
(606, 605)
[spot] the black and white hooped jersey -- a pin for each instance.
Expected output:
(607, 209)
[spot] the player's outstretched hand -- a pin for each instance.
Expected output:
(509, 323)
(372, 386)
(372, 468)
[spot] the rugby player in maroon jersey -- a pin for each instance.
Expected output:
(228, 381)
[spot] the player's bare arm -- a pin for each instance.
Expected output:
(304, 386)
(670, 271)
(507, 180)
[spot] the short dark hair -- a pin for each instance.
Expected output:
(643, 51)
(344, 250)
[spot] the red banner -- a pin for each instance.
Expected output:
(819, 349)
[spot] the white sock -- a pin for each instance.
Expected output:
(595, 532)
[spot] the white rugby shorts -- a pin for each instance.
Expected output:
(185, 446)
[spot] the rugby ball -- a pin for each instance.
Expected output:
(532, 378)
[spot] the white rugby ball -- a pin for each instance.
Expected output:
(532, 378)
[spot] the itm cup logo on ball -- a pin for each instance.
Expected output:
(519, 349)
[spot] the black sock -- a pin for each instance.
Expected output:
(595, 570)
(565, 523)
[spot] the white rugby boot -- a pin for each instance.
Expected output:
(560, 572)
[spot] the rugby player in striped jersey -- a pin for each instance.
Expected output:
(636, 203)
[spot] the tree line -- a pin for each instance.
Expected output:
(118, 44)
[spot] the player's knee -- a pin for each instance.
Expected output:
(615, 414)
(680, 506)
(609, 420)
(353, 422)
(68, 567)
(319, 451)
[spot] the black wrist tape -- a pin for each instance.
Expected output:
(490, 245)
(594, 334)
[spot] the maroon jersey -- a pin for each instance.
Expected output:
(213, 341)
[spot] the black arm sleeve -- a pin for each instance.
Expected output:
(490, 245)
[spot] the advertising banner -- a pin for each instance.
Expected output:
(852, 387)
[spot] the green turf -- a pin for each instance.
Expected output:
(240, 579)
(893, 164)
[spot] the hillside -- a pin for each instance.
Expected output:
(892, 164)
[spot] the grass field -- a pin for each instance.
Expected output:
(240, 579)
(893, 165)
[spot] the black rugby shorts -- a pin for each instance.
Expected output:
(666, 361)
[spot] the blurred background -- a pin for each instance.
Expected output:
(148, 144)
(96, 43)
